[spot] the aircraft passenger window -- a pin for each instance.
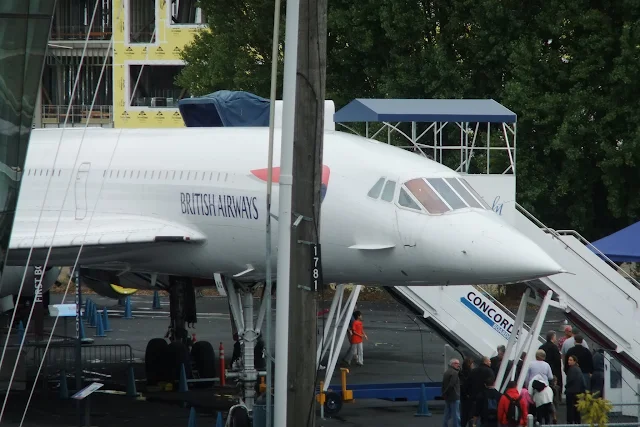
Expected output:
(374, 193)
(463, 192)
(426, 196)
(474, 192)
(447, 193)
(389, 191)
(405, 200)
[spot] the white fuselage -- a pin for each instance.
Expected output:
(202, 178)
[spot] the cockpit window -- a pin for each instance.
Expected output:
(426, 196)
(375, 190)
(405, 200)
(389, 191)
(463, 192)
(475, 193)
(447, 193)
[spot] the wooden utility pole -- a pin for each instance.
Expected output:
(307, 176)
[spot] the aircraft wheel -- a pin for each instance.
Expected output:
(154, 360)
(332, 403)
(204, 359)
(178, 355)
(239, 417)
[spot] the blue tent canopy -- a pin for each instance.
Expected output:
(225, 108)
(623, 245)
(424, 110)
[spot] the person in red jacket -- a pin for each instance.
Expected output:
(512, 394)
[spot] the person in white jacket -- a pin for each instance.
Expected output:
(542, 396)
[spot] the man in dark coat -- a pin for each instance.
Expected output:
(479, 377)
(585, 360)
(451, 393)
(552, 356)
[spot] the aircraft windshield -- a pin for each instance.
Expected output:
(440, 195)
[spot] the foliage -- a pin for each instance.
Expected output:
(594, 410)
(568, 69)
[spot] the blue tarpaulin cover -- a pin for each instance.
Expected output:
(623, 245)
(225, 108)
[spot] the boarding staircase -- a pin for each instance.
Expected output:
(596, 295)
(467, 317)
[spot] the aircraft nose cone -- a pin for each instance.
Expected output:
(504, 255)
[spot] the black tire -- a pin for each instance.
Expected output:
(177, 355)
(204, 358)
(332, 403)
(239, 417)
(154, 360)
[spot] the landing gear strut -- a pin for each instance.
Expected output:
(241, 304)
(164, 361)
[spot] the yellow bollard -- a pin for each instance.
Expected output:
(321, 398)
(347, 395)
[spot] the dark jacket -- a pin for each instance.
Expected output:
(575, 381)
(585, 358)
(482, 406)
(477, 379)
(553, 358)
(598, 362)
(451, 385)
(465, 384)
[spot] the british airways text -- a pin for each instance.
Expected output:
(223, 205)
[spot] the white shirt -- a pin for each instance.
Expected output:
(541, 397)
(571, 342)
(538, 367)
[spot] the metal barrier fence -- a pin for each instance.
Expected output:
(60, 357)
(532, 423)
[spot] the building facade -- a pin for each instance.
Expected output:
(137, 88)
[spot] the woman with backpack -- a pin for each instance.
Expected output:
(512, 409)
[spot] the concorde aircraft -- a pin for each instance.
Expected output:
(178, 208)
(191, 202)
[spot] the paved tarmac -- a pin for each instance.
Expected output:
(398, 350)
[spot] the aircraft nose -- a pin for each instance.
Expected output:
(502, 254)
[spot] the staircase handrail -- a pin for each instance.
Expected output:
(612, 264)
(555, 234)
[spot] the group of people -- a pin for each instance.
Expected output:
(472, 396)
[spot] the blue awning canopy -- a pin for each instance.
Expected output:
(225, 108)
(424, 110)
(621, 246)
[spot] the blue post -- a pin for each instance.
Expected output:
(192, 417)
(423, 408)
(64, 388)
(92, 315)
(20, 331)
(127, 309)
(82, 336)
(99, 327)
(87, 309)
(105, 320)
(182, 385)
(156, 301)
(219, 421)
(131, 383)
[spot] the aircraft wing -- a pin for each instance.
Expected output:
(103, 239)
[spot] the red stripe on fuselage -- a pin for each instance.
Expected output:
(262, 174)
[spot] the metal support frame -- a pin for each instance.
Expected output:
(511, 350)
(338, 317)
(468, 144)
(242, 308)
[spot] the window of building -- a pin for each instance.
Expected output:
(389, 191)
(376, 189)
(142, 21)
(185, 12)
(405, 200)
(154, 86)
(426, 196)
